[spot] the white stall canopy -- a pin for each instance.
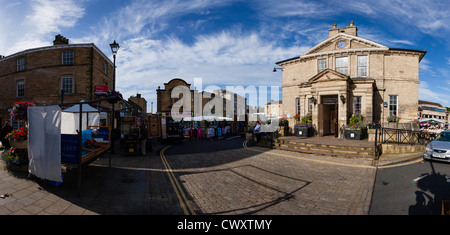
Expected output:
(71, 116)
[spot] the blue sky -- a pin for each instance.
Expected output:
(227, 42)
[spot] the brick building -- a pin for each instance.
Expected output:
(346, 74)
(197, 102)
(39, 74)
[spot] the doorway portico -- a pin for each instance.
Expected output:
(331, 97)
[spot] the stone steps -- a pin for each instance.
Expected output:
(325, 149)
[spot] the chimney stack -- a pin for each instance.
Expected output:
(351, 30)
(60, 40)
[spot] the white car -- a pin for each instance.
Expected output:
(439, 149)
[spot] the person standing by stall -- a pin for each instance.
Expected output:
(5, 131)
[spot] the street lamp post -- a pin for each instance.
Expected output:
(114, 49)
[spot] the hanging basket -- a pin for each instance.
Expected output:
(19, 144)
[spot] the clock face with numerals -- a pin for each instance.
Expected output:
(341, 44)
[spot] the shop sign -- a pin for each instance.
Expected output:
(100, 90)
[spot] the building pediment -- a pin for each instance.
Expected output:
(342, 42)
(329, 75)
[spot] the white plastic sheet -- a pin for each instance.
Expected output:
(44, 142)
(70, 121)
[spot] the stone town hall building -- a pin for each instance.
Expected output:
(345, 74)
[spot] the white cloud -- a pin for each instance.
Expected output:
(432, 94)
(50, 15)
(29, 25)
(220, 59)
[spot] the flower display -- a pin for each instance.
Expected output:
(305, 121)
(356, 121)
(18, 134)
(15, 157)
(392, 118)
(19, 111)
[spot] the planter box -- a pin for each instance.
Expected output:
(19, 144)
(302, 131)
(357, 134)
(17, 168)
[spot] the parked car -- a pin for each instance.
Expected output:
(439, 149)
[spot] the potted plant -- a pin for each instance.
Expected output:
(304, 128)
(355, 130)
(18, 138)
(16, 159)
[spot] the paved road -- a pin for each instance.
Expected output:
(413, 189)
(226, 177)
(255, 180)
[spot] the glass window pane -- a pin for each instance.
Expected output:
(20, 88)
(342, 65)
(357, 104)
(67, 84)
(67, 58)
(322, 65)
(393, 105)
(362, 66)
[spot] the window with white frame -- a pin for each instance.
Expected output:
(321, 65)
(310, 103)
(342, 65)
(357, 105)
(20, 88)
(67, 58)
(362, 66)
(297, 105)
(393, 105)
(67, 84)
(21, 64)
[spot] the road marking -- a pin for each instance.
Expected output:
(184, 203)
(401, 164)
(419, 178)
(307, 159)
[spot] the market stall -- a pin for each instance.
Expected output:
(55, 139)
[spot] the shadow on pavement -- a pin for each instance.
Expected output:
(433, 190)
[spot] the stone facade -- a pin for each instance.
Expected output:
(41, 71)
(345, 74)
(273, 109)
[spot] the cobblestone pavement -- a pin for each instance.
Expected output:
(199, 177)
(262, 181)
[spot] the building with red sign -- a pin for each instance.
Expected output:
(41, 74)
